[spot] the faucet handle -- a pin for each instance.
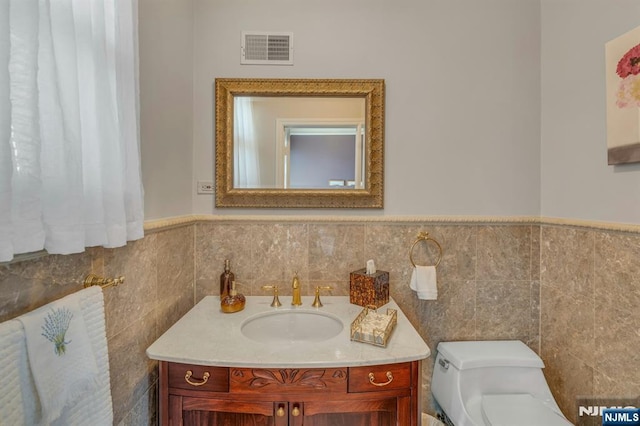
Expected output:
(316, 302)
(276, 302)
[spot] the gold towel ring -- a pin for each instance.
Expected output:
(424, 236)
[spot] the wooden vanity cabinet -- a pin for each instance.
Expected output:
(380, 395)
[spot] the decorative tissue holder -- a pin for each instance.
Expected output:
(374, 328)
(369, 289)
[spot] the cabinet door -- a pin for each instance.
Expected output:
(190, 411)
(374, 412)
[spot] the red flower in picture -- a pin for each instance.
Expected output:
(630, 63)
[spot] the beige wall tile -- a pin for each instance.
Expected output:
(452, 317)
(216, 242)
(145, 412)
(176, 251)
(25, 286)
(206, 287)
(335, 250)
(588, 321)
(132, 373)
(137, 296)
(567, 259)
(534, 327)
(389, 246)
(616, 351)
(568, 322)
(277, 253)
(503, 310)
(504, 252)
(175, 275)
(568, 378)
(535, 252)
(617, 272)
(617, 317)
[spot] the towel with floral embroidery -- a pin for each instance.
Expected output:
(60, 355)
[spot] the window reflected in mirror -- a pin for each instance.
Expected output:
(302, 142)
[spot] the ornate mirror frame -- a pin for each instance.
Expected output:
(369, 197)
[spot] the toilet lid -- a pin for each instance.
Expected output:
(519, 410)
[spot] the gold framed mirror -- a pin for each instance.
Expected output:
(299, 143)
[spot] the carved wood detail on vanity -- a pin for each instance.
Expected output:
(288, 379)
(290, 396)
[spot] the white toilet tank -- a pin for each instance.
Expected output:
(473, 380)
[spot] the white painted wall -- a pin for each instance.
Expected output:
(464, 129)
(166, 106)
(462, 84)
(577, 183)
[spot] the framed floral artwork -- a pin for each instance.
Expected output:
(622, 56)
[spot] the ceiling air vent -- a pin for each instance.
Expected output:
(267, 48)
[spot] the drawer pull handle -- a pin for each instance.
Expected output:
(280, 412)
(205, 378)
(296, 411)
(372, 379)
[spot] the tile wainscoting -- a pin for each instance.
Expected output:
(590, 321)
(567, 289)
(158, 290)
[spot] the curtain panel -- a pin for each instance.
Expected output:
(69, 135)
(246, 172)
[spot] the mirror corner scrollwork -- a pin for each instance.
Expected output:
(366, 192)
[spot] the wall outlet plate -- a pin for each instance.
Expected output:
(204, 187)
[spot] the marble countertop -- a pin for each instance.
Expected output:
(207, 336)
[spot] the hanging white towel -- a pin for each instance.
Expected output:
(17, 405)
(94, 408)
(60, 354)
(19, 401)
(424, 282)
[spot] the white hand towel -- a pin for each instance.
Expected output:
(16, 405)
(61, 358)
(423, 282)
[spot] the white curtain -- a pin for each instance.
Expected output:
(69, 150)
(246, 173)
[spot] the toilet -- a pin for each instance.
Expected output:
(493, 383)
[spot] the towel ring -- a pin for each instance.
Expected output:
(424, 236)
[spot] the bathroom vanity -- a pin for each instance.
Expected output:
(286, 366)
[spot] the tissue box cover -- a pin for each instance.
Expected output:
(369, 289)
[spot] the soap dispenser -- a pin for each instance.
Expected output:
(232, 302)
(226, 278)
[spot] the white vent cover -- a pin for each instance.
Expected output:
(266, 48)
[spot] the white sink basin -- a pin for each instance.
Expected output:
(291, 326)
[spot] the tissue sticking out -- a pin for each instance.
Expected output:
(371, 267)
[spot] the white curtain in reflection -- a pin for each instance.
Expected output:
(246, 173)
(69, 151)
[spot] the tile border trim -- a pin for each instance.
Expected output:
(168, 223)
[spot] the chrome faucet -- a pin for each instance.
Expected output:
(295, 287)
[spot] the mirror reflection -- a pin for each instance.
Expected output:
(299, 142)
